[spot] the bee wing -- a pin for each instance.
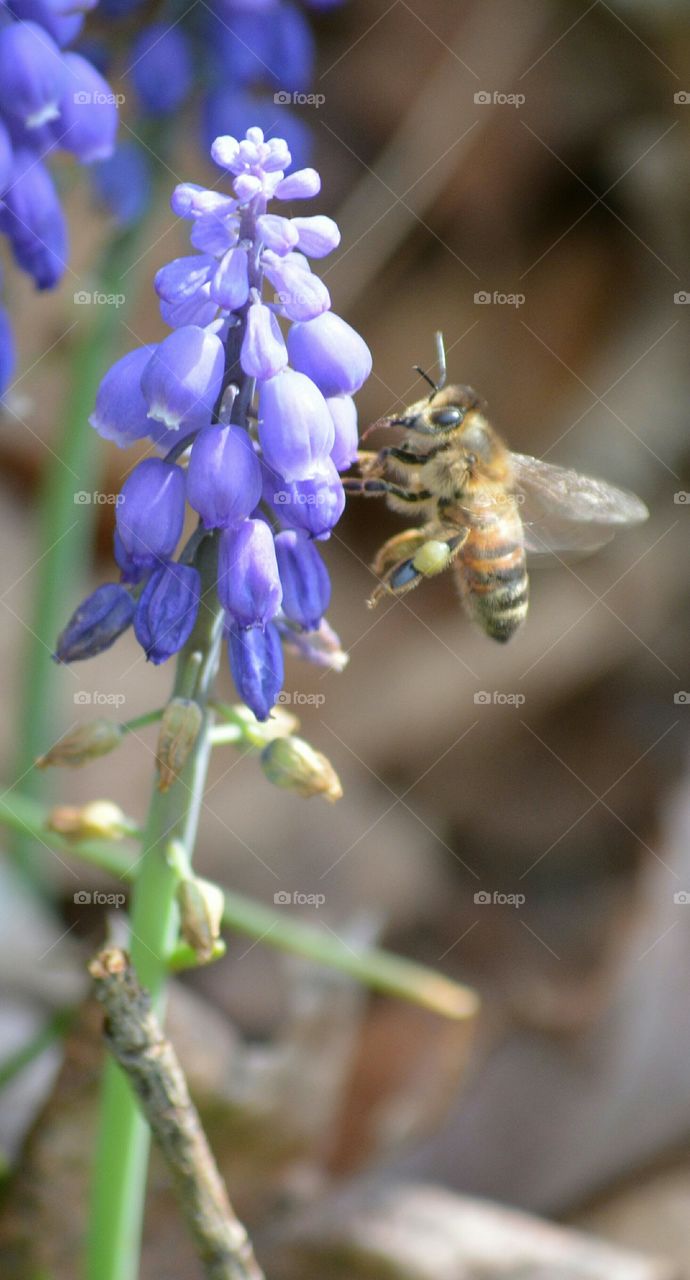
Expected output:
(562, 510)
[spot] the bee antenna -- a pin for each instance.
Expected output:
(441, 357)
(426, 378)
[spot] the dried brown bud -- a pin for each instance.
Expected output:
(201, 906)
(293, 764)
(180, 728)
(100, 819)
(83, 744)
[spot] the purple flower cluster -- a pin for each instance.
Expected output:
(252, 60)
(254, 394)
(50, 98)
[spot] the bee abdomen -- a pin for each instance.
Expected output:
(496, 588)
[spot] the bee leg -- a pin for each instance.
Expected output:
(371, 488)
(398, 548)
(368, 461)
(374, 464)
(432, 556)
(406, 456)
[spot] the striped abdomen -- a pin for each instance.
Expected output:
(493, 575)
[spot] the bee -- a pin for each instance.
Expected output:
(483, 508)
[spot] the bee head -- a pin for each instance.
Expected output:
(450, 411)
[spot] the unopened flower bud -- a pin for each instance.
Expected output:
(161, 68)
(263, 353)
(96, 624)
(291, 763)
(100, 819)
(331, 353)
(167, 611)
(180, 727)
(182, 380)
(201, 906)
(295, 428)
(149, 516)
(256, 663)
(248, 579)
(223, 477)
(33, 74)
(32, 216)
(88, 111)
(304, 578)
(86, 742)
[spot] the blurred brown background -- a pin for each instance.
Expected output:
(574, 201)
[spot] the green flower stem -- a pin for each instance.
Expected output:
(28, 817)
(119, 1187)
(185, 957)
(142, 722)
(65, 533)
(381, 970)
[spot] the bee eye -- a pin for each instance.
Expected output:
(447, 417)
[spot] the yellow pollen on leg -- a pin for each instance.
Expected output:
(433, 557)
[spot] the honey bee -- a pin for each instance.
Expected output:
(483, 507)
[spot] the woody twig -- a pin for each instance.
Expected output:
(136, 1040)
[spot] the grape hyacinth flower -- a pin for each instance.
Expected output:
(50, 99)
(249, 398)
(244, 58)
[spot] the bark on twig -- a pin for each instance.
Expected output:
(137, 1042)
